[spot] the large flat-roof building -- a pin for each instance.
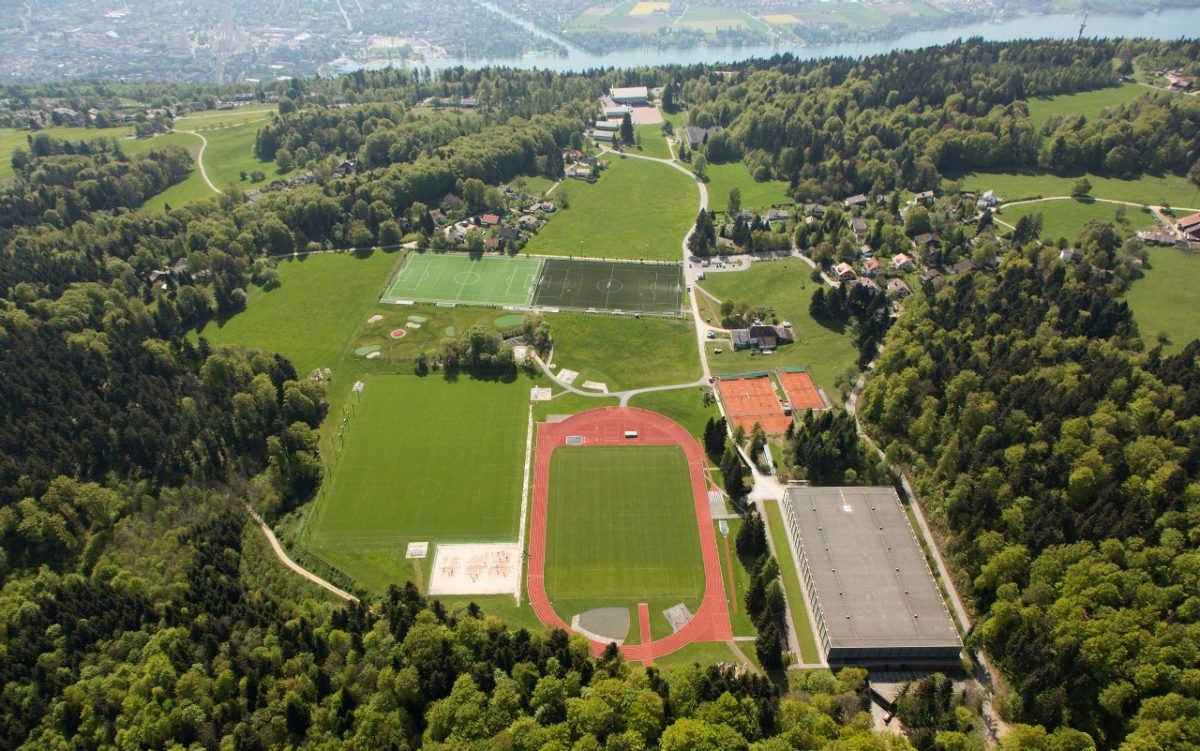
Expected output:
(634, 95)
(871, 592)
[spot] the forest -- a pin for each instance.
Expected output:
(1058, 458)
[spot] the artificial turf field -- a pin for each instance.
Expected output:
(562, 283)
(489, 280)
(409, 472)
(610, 285)
(621, 529)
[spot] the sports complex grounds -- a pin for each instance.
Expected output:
(596, 285)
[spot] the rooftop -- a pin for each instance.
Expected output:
(872, 587)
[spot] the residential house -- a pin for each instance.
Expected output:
(965, 266)
(901, 262)
(989, 200)
(859, 226)
(866, 251)
(508, 234)
(924, 197)
(492, 243)
(930, 279)
(926, 238)
(845, 272)
(871, 267)
(489, 220)
(852, 201)
(898, 288)
(528, 221)
(814, 209)
(437, 216)
(870, 284)
(1070, 255)
(697, 137)
(777, 215)
(739, 338)
(767, 338)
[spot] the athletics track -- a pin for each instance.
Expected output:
(607, 427)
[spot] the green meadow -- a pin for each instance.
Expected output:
(625, 352)
(755, 195)
(399, 476)
(622, 530)
(1089, 104)
(685, 406)
(1164, 301)
(786, 287)
(1173, 190)
(230, 152)
(637, 209)
(652, 141)
(1067, 218)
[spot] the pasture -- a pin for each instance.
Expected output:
(625, 352)
(784, 286)
(399, 476)
(755, 195)
(1164, 300)
(710, 19)
(1067, 218)
(621, 530)
(1173, 190)
(1089, 104)
(637, 209)
(231, 151)
(313, 313)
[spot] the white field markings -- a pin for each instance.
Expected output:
(524, 506)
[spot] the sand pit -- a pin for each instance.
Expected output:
(398, 333)
(373, 355)
(412, 325)
(375, 318)
(476, 569)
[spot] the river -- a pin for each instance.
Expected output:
(1167, 24)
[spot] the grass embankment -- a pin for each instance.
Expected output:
(622, 530)
(684, 406)
(785, 286)
(755, 195)
(1171, 190)
(791, 585)
(637, 209)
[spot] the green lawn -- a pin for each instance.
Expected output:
(567, 403)
(11, 138)
(489, 280)
(703, 654)
(637, 209)
(231, 151)
(710, 19)
(791, 585)
(400, 475)
(785, 286)
(684, 406)
(625, 352)
(859, 14)
(1165, 300)
(1068, 218)
(621, 530)
(1087, 103)
(653, 142)
(312, 316)
(224, 118)
(1173, 190)
(755, 195)
(735, 597)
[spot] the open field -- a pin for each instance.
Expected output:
(11, 138)
(791, 584)
(755, 195)
(1068, 218)
(1173, 190)
(710, 19)
(735, 596)
(399, 477)
(652, 140)
(1164, 300)
(311, 317)
(1087, 103)
(785, 286)
(488, 280)
(230, 151)
(622, 530)
(222, 118)
(637, 209)
(625, 352)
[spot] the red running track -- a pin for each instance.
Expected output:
(606, 427)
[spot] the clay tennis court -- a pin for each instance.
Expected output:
(625, 426)
(751, 400)
(801, 391)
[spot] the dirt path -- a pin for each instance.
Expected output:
(200, 160)
(283, 558)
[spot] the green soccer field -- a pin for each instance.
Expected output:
(621, 529)
(489, 280)
(610, 285)
(408, 472)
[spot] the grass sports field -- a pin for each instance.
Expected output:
(573, 284)
(489, 280)
(621, 529)
(400, 476)
(610, 285)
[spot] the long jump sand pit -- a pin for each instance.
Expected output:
(475, 569)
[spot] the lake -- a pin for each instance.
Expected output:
(1166, 24)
